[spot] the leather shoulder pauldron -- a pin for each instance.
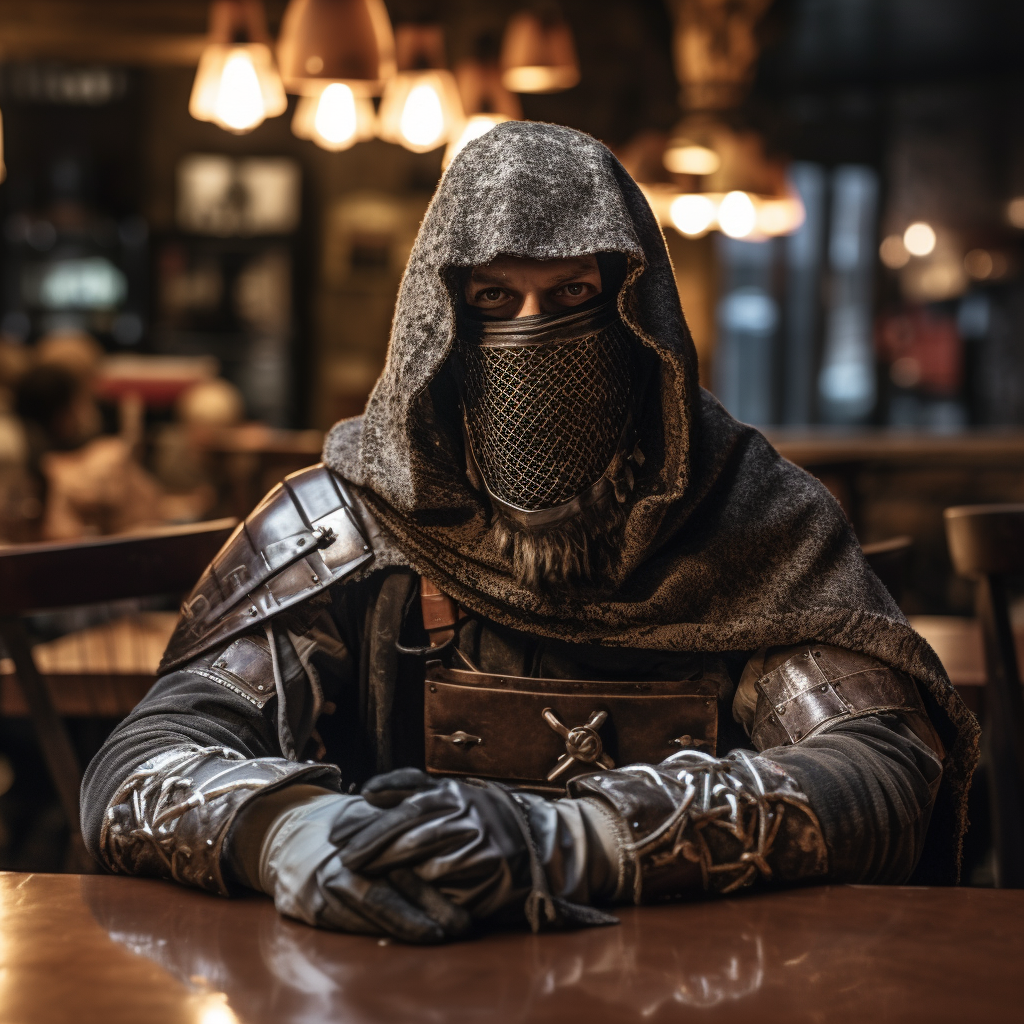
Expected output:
(303, 536)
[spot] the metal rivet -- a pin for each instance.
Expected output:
(253, 610)
(433, 689)
(824, 687)
(316, 579)
(782, 711)
(259, 687)
(302, 542)
(209, 842)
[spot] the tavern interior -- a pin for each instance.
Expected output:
(189, 302)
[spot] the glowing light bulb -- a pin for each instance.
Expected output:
(335, 118)
(737, 216)
(422, 121)
(919, 238)
(239, 105)
(692, 215)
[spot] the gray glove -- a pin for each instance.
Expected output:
(303, 864)
(499, 853)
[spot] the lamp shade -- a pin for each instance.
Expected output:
(538, 54)
(324, 41)
(237, 85)
(420, 110)
(335, 118)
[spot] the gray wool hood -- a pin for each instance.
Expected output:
(726, 545)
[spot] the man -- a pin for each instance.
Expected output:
(638, 655)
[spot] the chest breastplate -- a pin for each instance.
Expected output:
(538, 733)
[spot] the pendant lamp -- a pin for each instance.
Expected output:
(335, 118)
(421, 108)
(485, 101)
(345, 41)
(237, 84)
(538, 54)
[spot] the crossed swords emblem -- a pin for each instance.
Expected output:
(582, 743)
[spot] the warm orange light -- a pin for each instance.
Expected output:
(683, 157)
(737, 216)
(919, 238)
(346, 41)
(336, 119)
(237, 85)
(538, 54)
(693, 214)
(893, 253)
(779, 215)
(420, 110)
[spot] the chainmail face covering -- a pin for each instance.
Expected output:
(547, 399)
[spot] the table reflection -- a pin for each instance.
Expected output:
(282, 971)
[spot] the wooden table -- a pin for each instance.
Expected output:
(112, 950)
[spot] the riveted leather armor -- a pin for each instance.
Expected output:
(821, 686)
(308, 533)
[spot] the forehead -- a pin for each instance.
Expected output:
(509, 267)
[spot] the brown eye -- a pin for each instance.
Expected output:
(574, 289)
(492, 294)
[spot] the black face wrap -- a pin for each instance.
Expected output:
(548, 400)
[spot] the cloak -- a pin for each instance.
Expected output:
(726, 545)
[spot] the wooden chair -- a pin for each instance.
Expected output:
(890, 560)
(986, 543)
(39, 577)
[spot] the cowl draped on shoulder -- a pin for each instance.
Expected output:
(726, 545)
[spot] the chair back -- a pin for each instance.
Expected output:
(166, 560)
(37, 577)
(986, 544)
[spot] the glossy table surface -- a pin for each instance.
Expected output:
(112, 950)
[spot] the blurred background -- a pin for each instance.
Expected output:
(207, 208)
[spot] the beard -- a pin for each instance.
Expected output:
(578, 552)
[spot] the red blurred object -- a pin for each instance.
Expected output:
(924, 350)
(158, 381)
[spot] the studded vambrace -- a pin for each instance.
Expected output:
(696, 822)
(171, 816)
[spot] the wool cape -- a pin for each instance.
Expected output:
(726, 545)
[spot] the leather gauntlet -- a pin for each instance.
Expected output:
(696, 822)
(170, 817)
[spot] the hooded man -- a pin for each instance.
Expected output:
(579, 636)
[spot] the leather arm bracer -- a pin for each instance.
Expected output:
(804, 691)
(698, 822)
(719, 824)
(170, 817)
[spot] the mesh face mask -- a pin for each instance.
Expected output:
(549, 404)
